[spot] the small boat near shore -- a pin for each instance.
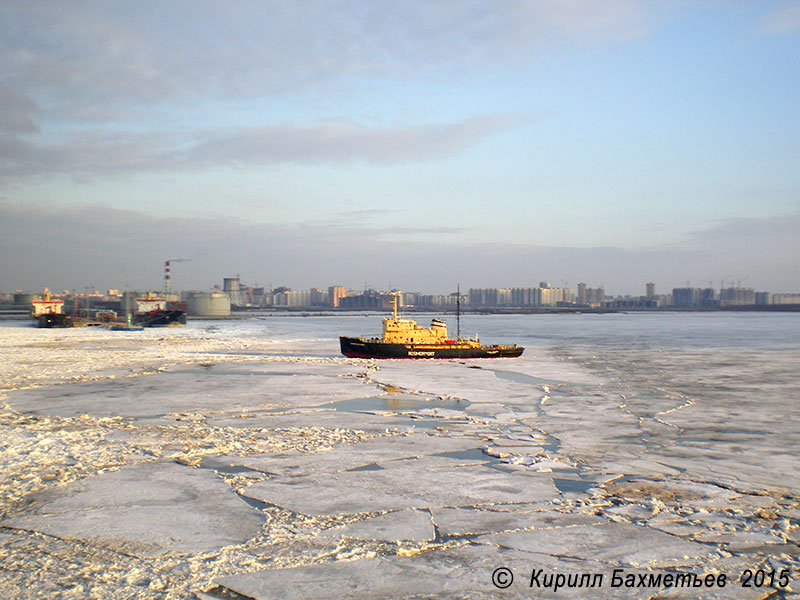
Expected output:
(129, 326)
(403, 338)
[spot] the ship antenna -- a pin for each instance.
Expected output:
(458, 311)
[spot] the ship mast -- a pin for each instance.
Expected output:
(458, 311)
(394, 303)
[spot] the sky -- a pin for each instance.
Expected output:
(414, 145)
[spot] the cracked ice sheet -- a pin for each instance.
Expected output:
(247, 388)
(31, 356)
(384, 451)
(307, 417)
(479, 384)
(721, 414)
(147, 510)
(411, 473)
(462, 521)
(413, 484)
(610, 543)
(460, 572)
(394, 526)
(628, 454)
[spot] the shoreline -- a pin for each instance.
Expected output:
(243, 313)
(514, 310)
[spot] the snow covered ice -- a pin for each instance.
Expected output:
(248, 459)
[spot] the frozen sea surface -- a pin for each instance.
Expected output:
(248, 459)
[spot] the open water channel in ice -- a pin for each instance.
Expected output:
(246, 458)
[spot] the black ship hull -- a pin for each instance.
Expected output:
(361, 348)
(160, 318)
(54, 320)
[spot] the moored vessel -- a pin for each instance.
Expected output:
(49, 312)
(151, 311)
(403, 338)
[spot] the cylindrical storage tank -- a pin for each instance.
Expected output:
(129, 301)
(25, 299)
(204, 304)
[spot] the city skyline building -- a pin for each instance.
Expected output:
(335, 294)
(544, 296)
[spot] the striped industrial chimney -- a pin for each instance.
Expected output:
(167, 275)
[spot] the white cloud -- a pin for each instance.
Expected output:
(72, 248)
(100, 153)
(344, 142)
(16, 111)
(127, 68)
(783, 20)
(95, 60)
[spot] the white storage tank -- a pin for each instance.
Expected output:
(205, 304)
